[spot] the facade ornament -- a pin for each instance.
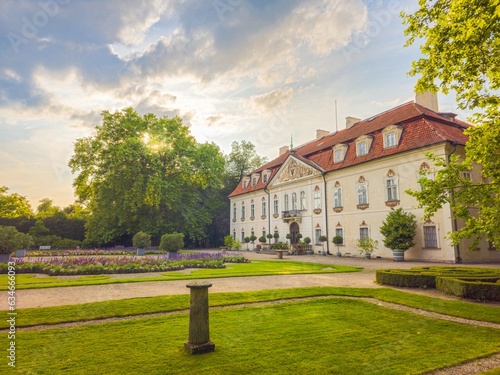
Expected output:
(294, 170)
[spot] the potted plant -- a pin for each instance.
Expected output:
(262, 240)
(140, 241)
(307, 241)
(338, 240)
(276, 236)
(269, 236)
(247, 240)
(11, 240)
(322, 239)
(289, 237)
(253, 237)
(172, 242)
(399, 230)
(367, 246)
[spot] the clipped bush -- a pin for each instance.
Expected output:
(478, 288)
(405, 278)
(11, 240)
(141, 240)
(172, 242)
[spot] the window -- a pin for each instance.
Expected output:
(245, 184)
(276, 236)
(362, 191)
(392, 189)
(252, 210)
(390, 140)
(263, 233)
(317, 235)
(286, 202)
(317, 200)
(302, 200)
(242, 236)
(362, 148)
(234, 212)
(337, 197)
(254, 181)
(264, 208)
(339, 232)
(234, 234)
(243, 212)
(276, 206)
(467, 175)
(294, 201)
(338, 156)
(264, 178)
(363, 233)
(252, 233)
(430, 236)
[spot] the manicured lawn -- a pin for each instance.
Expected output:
(336, 336)
(150, 305)
(255, 268)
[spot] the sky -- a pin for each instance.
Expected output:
(262, 71)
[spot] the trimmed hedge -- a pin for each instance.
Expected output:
(477, 283)
(480, 288)
(406, 278)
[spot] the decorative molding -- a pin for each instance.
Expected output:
(317, 211)
(339, 225)
(363, 224)
(318, 226)
(242, 219)
(338, 209)
(390, 173)
(363, 206)
(294, 170)
(424, 166)
(234, 220)
(252, 218)
(361, 180)
(263, 217)
(392, 203)
(276, 216)
(337, 184)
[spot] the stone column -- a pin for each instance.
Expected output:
(199, 338)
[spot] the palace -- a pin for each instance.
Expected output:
(345, 183)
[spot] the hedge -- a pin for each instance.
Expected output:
(466, 282)
(480, 288)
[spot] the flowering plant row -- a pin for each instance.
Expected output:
(108, 265)
(86, 252)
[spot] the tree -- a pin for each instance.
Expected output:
(172, 242)
(46, 208)
(141, 240)
(242, 160)
(12, 240)
(399, 229)
(13, 205)
(143, 173)
(461, 53)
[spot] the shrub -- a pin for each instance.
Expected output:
(253, 237)
(478, 288)
(367, 245)
(12, 240)
(141, 240)
(399, 230)
(405, 278)
(307, 240)
(172, 242)
(262, 239)
(338, 240)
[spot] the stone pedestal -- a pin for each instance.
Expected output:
(280, 253)
(199, 335)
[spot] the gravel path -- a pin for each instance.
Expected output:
(364, 279)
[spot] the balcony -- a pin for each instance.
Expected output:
(291, 215)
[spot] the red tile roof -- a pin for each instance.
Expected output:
(421, 127)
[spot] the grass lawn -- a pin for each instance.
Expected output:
(255, 268)
(161, 304)
(336, 336)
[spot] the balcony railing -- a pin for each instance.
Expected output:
(291, 215)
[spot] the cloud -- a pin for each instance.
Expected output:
(272, 101)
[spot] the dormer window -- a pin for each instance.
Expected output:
(362, 149)
(254, 181)
(363, 145)
(339, 152)
(246, 181)
(264, 178)
(392, 135)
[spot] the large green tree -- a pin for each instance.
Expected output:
(461, 53)
(144, 173)
(13, 205)
(242, 160)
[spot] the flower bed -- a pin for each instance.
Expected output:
(86, 252)
(95, 265)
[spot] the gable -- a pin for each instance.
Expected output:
(293, 169)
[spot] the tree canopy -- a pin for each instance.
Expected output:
(242, 160)
(461, 53)
(14, 205)
(144, 173)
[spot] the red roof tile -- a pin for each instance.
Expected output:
(421, 127)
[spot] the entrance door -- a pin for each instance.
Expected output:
(294, 230)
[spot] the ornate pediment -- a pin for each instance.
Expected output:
(294, 169)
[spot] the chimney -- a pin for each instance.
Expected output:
(283, 150)
(350, 121)
(428, 100)
(321, 133)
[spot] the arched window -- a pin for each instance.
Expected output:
(294, 201)
(302, 200)
(276, 205)
(287, 208)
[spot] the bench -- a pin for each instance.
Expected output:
(44, 248)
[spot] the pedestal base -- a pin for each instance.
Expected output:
(207, 347)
